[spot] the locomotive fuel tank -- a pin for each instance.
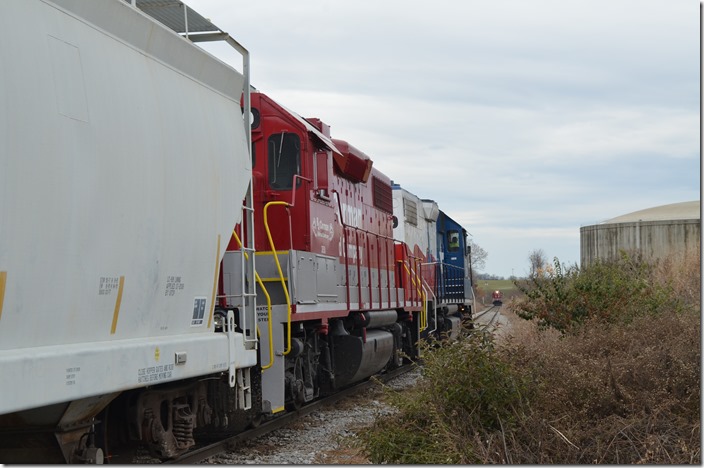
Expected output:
(363, 356)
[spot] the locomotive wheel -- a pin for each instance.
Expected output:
(297, 398)
(396, 359)
(256, 421)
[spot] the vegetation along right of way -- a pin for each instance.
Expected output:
(605, 369)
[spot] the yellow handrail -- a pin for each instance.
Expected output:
(278, 266)
(268, 307)
(421, 293)
(423, 307)
(423, 296)
(435, 302)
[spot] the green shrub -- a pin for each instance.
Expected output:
(565, 297)
(466, 392)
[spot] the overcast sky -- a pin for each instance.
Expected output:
(522, 119)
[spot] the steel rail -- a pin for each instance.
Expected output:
(496, 309)
(229, 443)
(484, 312)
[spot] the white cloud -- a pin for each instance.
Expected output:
(522, 118)
(613, 131)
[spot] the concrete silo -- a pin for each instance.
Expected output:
(657, 232)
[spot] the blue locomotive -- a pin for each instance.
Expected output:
(454, 275)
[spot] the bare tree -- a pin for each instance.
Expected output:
(477, 260)
(477, 255)
(537, 261)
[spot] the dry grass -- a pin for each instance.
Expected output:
(627, 394)
(683, 274)
(616, 391)
(624, 393)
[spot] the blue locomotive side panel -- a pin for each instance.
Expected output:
(454, 284)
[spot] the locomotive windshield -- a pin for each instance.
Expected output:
(284, 159)
(453, 241)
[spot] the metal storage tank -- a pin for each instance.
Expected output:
(657, 232)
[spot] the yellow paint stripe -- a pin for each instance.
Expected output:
(278, 410)
(270, 253)
(3, 281)
(118, 302)
(215, 284)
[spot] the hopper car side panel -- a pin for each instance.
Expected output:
(118, 171)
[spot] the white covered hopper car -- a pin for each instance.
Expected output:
(124, 161)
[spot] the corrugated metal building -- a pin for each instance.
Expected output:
(657, 232)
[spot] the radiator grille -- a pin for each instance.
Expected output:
(410, 211)
(382, 196)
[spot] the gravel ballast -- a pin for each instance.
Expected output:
(321, 437)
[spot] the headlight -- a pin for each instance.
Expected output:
(219, 322)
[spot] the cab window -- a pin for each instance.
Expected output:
(284, 155)
(453, 241)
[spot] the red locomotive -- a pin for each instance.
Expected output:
(345, 296)
(496, 296)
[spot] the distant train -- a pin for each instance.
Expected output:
(496, 297)
(170, 271)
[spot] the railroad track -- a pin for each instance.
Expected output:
(485, 320)
(488, 318)
(207, 451)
